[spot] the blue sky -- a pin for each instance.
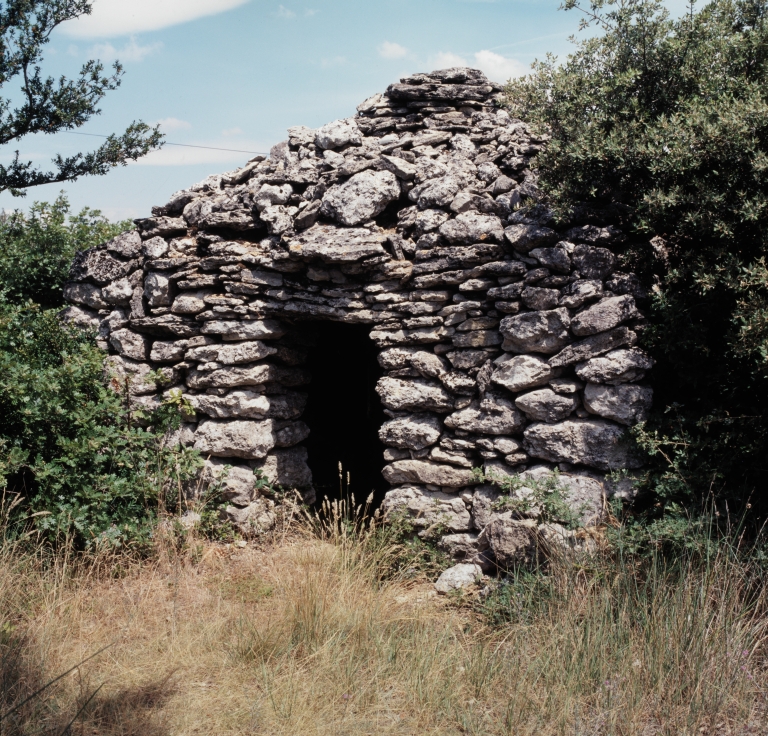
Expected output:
(236, 74)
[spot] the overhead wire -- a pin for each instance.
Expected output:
(183, 145)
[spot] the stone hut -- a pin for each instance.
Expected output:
(382, 305)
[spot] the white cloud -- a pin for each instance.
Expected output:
(445, 60)
(285, 13)
(132, 51)
(170, 124)
(496, 67)
(229, 132)
(499, 68)
(309, 12)
(390, 50)
(123, 17)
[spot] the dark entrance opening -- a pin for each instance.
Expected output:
(344, 413)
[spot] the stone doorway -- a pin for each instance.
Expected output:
(344, 413)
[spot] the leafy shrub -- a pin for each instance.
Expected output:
(37, 248)
(663, 123)
(70, 445)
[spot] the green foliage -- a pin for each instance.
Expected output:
(49, 105)
(37, 248)
(70, 446)
(663, 124)
(546, 498)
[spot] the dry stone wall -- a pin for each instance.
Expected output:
(508, 343)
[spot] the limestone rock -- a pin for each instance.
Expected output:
(545, 405)
(415, 395)
(557, 259)
(592, 442)
(536, 332)
(126, 245)
(288, 468)
(496, 417)
(157, 289)
(254, 519)
(237, 438)
(364, 196)
(593, 263)
(233, 482)
(604, 316)
(414, 432)
(472, 227)
(626, 403)
(118, 292)
(235, 404)
(85, 319)
(512, 542)
(615, 367)
(337, 134)
(122, 372)
(428, 364)
(334, 246)
(540, 299)
(264, 329)
(190, 302)
(458, 577)
(255, 375)
(437, 192)
(241, 352)
(86, 294)
(278, 218)
(155, 248)
(427, 509)
(462, 546)
(97, 265)
(270, 195)
(521, 372)
(130, 344)
(580, 292)
(594, 346)
(426, 472)
(525, 238)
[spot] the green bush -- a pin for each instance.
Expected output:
(68, 443)
(37, 248)
(663, 124)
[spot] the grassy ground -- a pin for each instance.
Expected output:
(301, 635)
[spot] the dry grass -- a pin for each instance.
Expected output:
(301, 637)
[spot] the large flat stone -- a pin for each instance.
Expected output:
(617, 366)
(414, 432)
(592, 442)
(604, 316)
(495, 416)
(250, 440)
(626, 404)
(261, 329)
(521, 372)
(414, 395)
(361, 198)
(337, 245)
(235, 404)
(428, 473)
(427, 508)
